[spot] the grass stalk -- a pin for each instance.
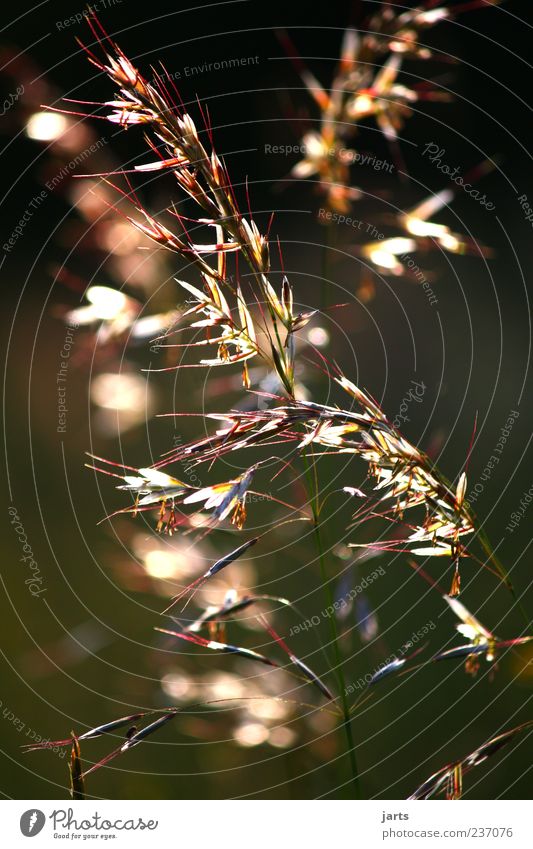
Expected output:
(493, 558)
(346, 722)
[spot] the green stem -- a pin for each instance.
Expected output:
(502, 572)
(346, 717)
(324, 299)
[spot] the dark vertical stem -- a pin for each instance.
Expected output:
(346, 717)
(346, 720)
(326, 252)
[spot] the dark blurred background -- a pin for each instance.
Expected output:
(84, 651)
